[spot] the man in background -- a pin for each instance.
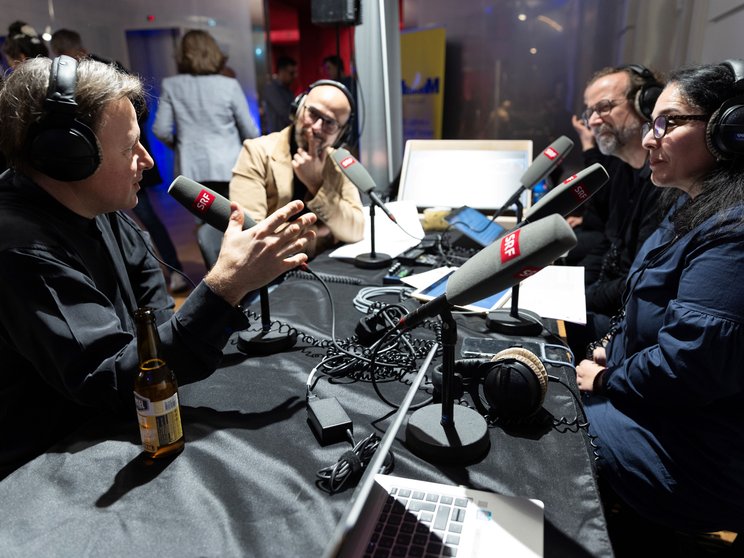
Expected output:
(618, 101)
(277, 96)
(294, 164)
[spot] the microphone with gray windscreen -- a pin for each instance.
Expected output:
(510, 259)
(205, 203)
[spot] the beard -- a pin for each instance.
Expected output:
(611, 140)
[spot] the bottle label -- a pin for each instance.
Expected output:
(159, 421)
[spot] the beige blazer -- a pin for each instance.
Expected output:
(262, 182)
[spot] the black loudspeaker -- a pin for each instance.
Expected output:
(345, 135)
(60, 146)
(645, 98)
(725, 132)
(512, 385)
(336, 12)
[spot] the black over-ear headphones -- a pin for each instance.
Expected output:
(345, 135)
(645, 98)
(725, 132)
(511, 385)
(60, 145)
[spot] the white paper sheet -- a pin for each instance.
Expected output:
(555, 292)
(390, 239)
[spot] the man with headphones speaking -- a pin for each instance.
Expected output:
(618, 101)
(74, 268)
(293, 164)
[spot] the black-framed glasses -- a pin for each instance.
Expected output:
(330, 126)
(602, 108)
(665, 122)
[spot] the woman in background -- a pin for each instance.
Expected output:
(665, 393)
(202, 114)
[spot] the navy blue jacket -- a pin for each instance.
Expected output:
(670, 423)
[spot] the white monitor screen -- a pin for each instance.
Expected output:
(482, 174)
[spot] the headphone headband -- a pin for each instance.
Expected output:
(645, 97)
(345, 135)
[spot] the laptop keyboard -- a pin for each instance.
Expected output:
(417, 523)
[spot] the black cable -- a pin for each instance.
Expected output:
(152, 253)
(352, 464)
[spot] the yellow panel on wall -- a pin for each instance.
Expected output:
(422, 74)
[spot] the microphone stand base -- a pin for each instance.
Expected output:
(525, 323)
(373, 261)
(466, 441)
(265, 342)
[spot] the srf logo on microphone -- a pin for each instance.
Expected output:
(550, 153)
(579, 192)
(347, 162)
(203, 201)
(510, 246)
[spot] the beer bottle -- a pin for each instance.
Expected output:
(155, 392)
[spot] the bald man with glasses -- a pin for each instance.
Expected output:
(618, 103)
(294, 163)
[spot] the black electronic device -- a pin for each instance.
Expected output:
(336, 12)
(409, 256)
(328, 420)
(60, 145)
(724, 134)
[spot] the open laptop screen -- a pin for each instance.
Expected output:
(482, 174)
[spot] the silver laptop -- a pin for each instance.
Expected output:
(482, 174)
(396, 516)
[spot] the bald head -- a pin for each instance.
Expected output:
(324, 113)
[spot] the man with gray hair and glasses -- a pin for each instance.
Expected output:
(618, 102)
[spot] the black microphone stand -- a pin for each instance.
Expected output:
(446, 432)
(515, 321)
(371, 259)
(267, 341)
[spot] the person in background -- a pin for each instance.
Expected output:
(277, 96)
(202, 114)
(22, 43)
(619, 101)
(70, 43)
(294, 164)
(74, 267)
(664, 395)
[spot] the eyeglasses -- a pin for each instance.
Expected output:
(602, 108)
(663, 123)
(329, 126)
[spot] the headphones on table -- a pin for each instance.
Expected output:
(724, 135)
(299, 102)
(511, 385)
(60, 145)
(645, 98)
